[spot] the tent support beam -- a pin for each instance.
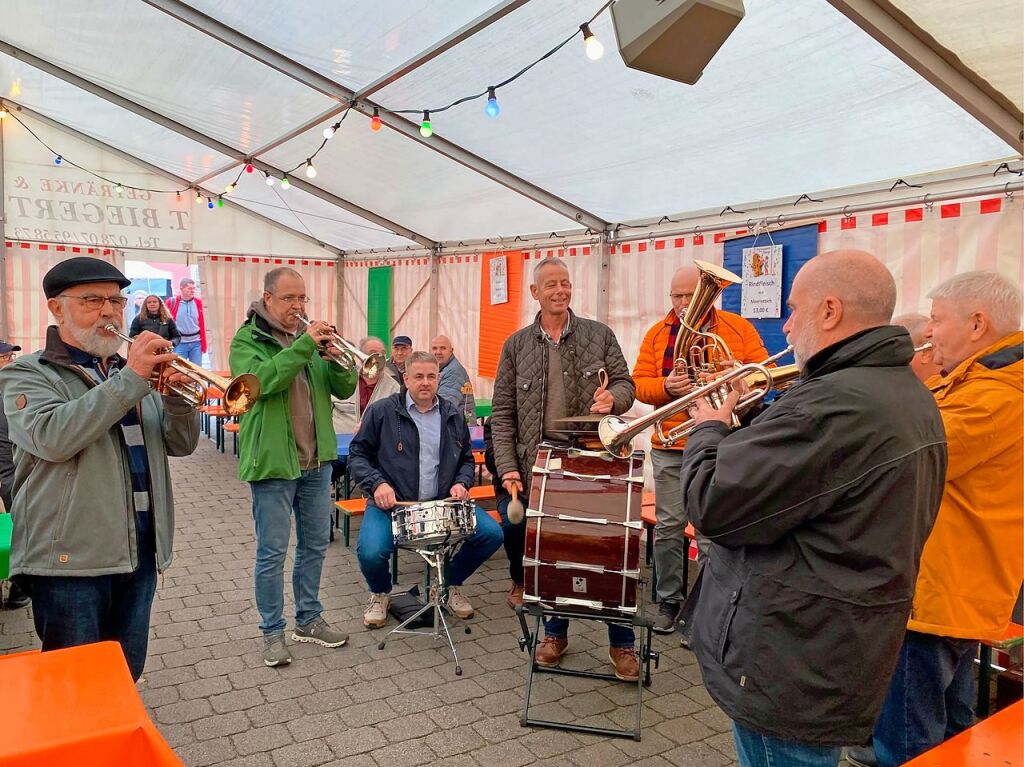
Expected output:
(201, 138)
(4, 329)
(476, 25)
(898, 33)
(312, 79)
(604, 279)
(160, 172)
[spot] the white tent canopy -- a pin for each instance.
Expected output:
(800, 98)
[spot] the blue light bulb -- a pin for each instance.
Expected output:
(491, 109)
(209, 203)
(58, 160)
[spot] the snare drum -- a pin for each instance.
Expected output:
(583, 530)
(432, 523)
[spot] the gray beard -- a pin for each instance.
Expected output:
(89, 340)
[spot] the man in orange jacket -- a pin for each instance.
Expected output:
(973, 563)
(657, 384)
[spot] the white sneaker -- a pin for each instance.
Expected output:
(376, 613)
(458, 604)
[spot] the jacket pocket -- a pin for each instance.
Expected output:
(63, 510)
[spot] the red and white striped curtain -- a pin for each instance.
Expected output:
(25, 304)
(230, 284)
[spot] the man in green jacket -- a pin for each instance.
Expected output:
(286, 445)
(93, 512)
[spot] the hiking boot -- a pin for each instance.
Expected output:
(275, 651)
(665, 621)
(319, 632)
(515, 596)
(16, 598)
(627, 667)
(376, 613)
(551, 650)
(458, 603)
(862, 756)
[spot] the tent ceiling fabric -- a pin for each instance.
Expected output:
(987, 35)
(798, 99)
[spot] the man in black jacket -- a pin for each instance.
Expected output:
(817, 511)
(414, 447)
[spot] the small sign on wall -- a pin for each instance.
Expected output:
(499, 280)
(762, 282)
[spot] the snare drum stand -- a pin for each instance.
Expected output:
(436, 557)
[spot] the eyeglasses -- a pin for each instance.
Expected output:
(95, 303)
(680, 296)
(292, 299)
(9, 356)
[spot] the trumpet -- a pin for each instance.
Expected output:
(347, 354)
(239, 393)
(616, 434)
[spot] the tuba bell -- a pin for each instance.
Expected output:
(697, 351)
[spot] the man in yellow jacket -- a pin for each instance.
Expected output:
(973, 563)
(657, 384)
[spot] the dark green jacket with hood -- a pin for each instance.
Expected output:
(266, 440)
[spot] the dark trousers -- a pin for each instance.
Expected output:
(514, 538)
(71, 611)
(930, 699)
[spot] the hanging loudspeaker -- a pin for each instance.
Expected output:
(673, 38)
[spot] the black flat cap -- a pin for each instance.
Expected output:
(79, 270)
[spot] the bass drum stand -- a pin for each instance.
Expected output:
(436, 559)
(530, 640)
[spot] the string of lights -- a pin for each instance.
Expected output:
(592, 47)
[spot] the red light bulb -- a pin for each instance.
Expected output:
(248, 167)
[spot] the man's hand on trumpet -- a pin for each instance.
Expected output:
(147, 352)
(720, 401)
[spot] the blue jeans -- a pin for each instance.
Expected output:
(377, 542)
(756, 750)
(618, 635)
(190, 350)
(70, 611)
(274, 503)
(931, 697)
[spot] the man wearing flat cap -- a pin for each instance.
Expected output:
(401, 348)
(93, 512)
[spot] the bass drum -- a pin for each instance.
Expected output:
(583, 530)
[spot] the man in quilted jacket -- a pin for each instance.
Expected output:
(548, 371)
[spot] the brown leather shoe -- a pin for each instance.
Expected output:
(627, 667)
(551, 650)
(515, 596)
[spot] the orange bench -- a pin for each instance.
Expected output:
(994, 742)
(354, 507)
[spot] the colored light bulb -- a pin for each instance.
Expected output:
(491, 109)
(209, 203)
(426, 129)
(177, 197)
(285, 183)
(220, 202)
(248, 167)
(58, 160)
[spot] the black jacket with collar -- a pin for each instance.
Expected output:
(387, 449)
(817, 513)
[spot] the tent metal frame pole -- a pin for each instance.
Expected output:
(899, 34)
(156, 170)
(476, 25)
(339, 292)
(312, 79)
(433, 296)
(201, 138)
(4, 322)
(604, 278)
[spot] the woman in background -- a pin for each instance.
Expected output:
(154, 316)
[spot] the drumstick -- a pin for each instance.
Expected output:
(515, 509)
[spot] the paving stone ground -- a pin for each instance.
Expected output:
(216, 703)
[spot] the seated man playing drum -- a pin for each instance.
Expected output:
(413, 446)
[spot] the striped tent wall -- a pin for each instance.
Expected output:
(25, 304)
(230, 284)
(458, 314)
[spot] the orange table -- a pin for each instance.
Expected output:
(76, 707)
(994, 742)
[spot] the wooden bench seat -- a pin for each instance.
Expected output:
(648, 518)
(1013, 636)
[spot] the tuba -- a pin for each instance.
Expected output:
(691, 357)
(239, 393)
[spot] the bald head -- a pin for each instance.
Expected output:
(441, 348)
(680, 290)
(836, 295)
